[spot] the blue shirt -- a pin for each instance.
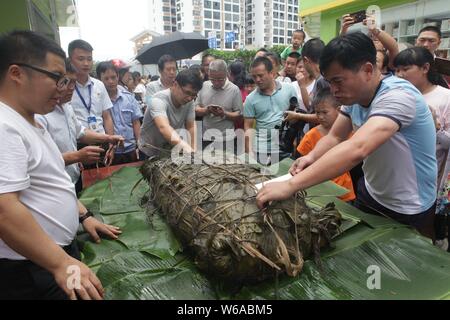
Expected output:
(124, 112)
(268, 111)
(402, 173)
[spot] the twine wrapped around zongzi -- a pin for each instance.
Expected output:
(213, 211)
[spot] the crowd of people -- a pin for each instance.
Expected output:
(358, 111)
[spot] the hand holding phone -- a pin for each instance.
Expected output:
(216, 110)
(358, 16)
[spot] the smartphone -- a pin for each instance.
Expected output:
(358, 16)
(215, 107)
(442, 66)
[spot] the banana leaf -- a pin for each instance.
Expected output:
(134, 275)
(411, 267)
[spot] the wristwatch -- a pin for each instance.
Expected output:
(83, 218)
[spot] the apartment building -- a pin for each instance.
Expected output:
(270, 22)
(233, 23)
(162, 16)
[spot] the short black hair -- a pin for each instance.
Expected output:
(136, 75)
(262, 50)
(154, 78)
(122, 73)
(26, 47)
(295, 55)
(238, 71)
(249, 80)
(70, 68)
(351, 51)
(323, 95)
(273, 56)
(313, 49)
(419, 56)
(196, 67)
(207, 55)
(300, 31)
(105, 66)
(190, 77)
(79, 44)
(165, 59)
(432, 29)
(262, 60)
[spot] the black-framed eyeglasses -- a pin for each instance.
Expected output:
(61, 80)
(190, 94)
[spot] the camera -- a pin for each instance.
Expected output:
(290, 132)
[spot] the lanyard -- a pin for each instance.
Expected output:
(88, 107)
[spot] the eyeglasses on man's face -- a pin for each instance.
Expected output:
(218, 79)
(61, 80)
(189, 94)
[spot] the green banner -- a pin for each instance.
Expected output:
(66, 13)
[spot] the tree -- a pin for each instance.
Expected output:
(245, 56)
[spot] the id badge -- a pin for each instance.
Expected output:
(92, 123)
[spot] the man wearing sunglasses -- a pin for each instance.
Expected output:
(39, 215)
(171, 110)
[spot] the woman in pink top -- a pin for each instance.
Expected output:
(417, 66)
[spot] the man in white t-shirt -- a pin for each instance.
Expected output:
(90, 101)
(38, 207)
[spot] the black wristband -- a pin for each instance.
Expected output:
(85, 216)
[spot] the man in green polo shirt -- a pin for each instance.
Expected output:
(266, 108)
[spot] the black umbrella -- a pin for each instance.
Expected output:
(178, 44)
